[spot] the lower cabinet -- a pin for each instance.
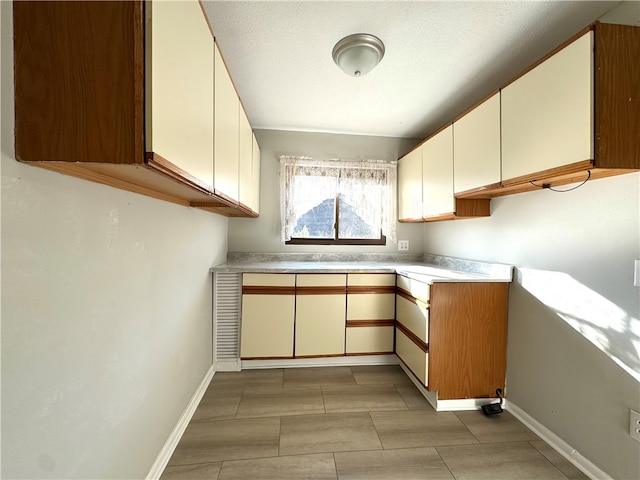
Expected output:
(268, 312)
(455, 340)
(370, 313)
(320, 314)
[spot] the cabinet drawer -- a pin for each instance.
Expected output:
(322, 280)
(414, 316)
(419, 290)
(368, 340)
(377, 306)
(413, 356)
(269, 279)
(372, 279)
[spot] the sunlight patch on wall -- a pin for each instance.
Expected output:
(599, 320)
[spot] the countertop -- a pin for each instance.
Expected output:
(436, 269)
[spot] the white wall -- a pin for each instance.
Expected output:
(574, 315)
(263, 234)
(106, 316)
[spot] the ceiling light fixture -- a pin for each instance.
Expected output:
(358, 54)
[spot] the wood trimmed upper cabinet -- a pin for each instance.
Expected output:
(410, 186)
(83, 91)
(425, 184)
(547, 114)
(437, 175)
(476, 147)
(574, 115)
(179, 89)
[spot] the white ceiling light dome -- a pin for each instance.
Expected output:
(358, 54)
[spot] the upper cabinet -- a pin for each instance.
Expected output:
(410, 186)
(426, 184)
(547, 114)
(437, 174)
(122, 93)
(249, 166)
(476, 147)
(179, 93)
(572, 116)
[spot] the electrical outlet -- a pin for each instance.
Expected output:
(403, 245)
(636, 273)
(634, 425)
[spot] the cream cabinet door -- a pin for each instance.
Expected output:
(227, 128)
(412, 356)
(410, 186)
(370, 340)
(547, 114)
(268, 310)
(437, 174)
(476, 147)
(245, 159)
(320, 314)
(255, 177)
(179, 55)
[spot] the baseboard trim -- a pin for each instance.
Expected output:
(353, 360)
(176, 434)
(228, 365)
(558, 444)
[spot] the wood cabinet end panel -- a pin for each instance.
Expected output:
(617, 96)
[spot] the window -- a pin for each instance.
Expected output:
(337, 202)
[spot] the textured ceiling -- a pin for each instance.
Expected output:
(441, 57)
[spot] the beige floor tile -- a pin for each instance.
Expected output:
(517, 460)
(413, 398)
(318, 376)
(362, 398)
(202, 471)
(327, 433)
(503, 427)
(275, 401)
(380, 374)
(218, 404)
(248, 378)
(559, 461)
(400, 464)
(319, 466)
(420, 428)
(204, 442)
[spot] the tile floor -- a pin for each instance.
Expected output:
(347, 423)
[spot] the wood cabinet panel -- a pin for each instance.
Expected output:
(437, 174)
(476, 147)
(67, 109)
(413, 357)
(179, 55)
(547, 114)
(227, 128)
(369, 340)
(468, 339)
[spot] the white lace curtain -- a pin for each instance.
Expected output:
(369, 186)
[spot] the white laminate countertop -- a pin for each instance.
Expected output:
(424, 272)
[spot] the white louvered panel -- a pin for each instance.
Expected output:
(226, 315)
